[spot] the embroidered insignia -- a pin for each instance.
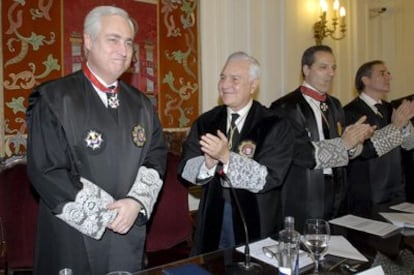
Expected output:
(113, 101)
(94, 140)
(247, 148)
(324, 106)
(339, 128)
(138, 135)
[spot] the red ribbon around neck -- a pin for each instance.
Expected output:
(92, 78)
(312, 93)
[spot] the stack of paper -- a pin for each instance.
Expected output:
(402, 220)
(404, 207)
(399, 219)
(365, 225)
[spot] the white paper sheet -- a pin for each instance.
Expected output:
(256, 251)
(373, 271)
(341, 247)
(338, 246)
(404, 207)
(365, 225)
(399, 219)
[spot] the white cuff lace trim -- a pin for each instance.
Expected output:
(246, 173)
(146, 187)
(386, 139)
(88, 213)
(330, 153)
(408, 139)
(192, 169)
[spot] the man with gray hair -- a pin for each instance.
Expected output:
(96, 156)
(239, 144)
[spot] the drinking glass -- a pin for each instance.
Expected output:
(316, 237)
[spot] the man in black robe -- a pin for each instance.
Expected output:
(376, 179)
(254, 156)
(315, 185)
(407, 157)
(96, 156)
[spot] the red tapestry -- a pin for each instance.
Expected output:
(179, 85)
(31, 55)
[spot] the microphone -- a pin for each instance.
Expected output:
(245, 266)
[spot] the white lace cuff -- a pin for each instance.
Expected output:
(246, 173)
(146, 187)
(192, 169)
(330, 153)
(386, 139)
(88, 213)
(408, 137)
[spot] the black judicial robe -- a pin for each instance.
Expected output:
(374, 182)
(60, 115)
(272, 137)
(304, 194)
(407, 158)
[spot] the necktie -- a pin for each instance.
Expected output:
(233, 133)
(227, 233)
(323, 106)
(382, 114)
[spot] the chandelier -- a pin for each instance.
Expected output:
(337, 29)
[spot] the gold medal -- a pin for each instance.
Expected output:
(138, 135)
(247, 148)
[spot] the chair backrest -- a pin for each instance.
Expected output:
(3, 262)
(170, 223)
(18, 211)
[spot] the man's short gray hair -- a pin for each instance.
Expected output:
(255, 70)
(92, 24)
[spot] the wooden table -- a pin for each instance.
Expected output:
(220, 261)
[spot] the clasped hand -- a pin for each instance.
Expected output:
(215, 148)
(128, 210)
(357, 133)
(402, 115)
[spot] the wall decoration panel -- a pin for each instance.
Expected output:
(31, 54)
(179, 85)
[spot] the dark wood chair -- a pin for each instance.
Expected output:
(170, 228)
(3, 264)
(18, 212)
